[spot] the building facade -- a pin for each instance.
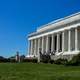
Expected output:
(61, 36)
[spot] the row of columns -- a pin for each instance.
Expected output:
(34, 43)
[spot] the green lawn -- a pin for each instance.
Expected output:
(31, 71)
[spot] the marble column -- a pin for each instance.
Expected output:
(31, 47)
(57, 42)
(35, 43)
(76, 39)
(39, 50)
(69, 40)
(52, 44)
(47, 41)
(63, 41)
(42, 44)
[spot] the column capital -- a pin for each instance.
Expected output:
(78, 26)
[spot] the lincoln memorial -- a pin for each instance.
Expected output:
(60, 37)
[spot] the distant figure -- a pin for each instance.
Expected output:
(17, 57)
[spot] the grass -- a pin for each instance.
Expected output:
(32, 71)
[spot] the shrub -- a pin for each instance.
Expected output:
(74, 61)
(5, 60)
(34, 60)
(51, 61)
(60, 61)
(45, 58)
(13, 61)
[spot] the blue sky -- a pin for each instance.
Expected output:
(20, 17)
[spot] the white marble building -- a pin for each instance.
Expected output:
(61, 36)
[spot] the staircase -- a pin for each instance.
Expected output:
(56, 56)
